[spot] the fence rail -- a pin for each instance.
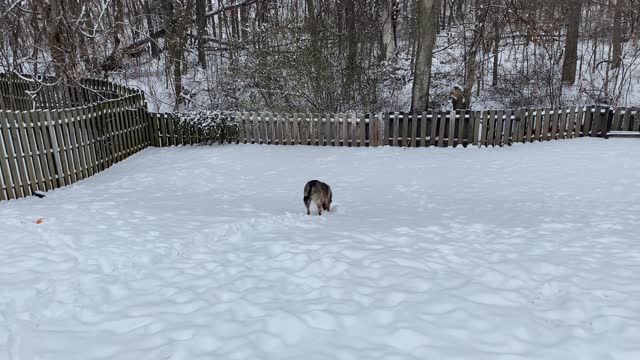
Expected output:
(439, 128)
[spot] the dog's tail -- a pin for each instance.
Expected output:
(307, 196)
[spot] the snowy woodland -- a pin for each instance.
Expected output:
(335, 55)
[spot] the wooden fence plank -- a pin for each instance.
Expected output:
(310, 129)
(255, 127)
(442, 125)
(396, 129)
(335, 129)
(333, 121)
(403, 123)
(273, 128)
(79, 143)
(162, 120)
(385, 121)
(57, 148)
(248, 123)
(627, 124)
(491, 128)
(89, 113)
(72, 144)
(562, 126)
(483, 128)
(596, 121)
(469, 127)
(286, 130)
(300, 129)
(295, 129)
(452, 128)
(79, 138)
(540, 114)
(374, 130)
(519, 125)
(131, 120)
(555, 117)
(467, 124)
(20, 152)
(354, 130)
(5, 157)
(107, 133)
(571, 122)
(423, 130)
(475, 134)
(588, 115)
(277, 125)
(47, 168)
(618, 115)
(362, 130)
(326, 129)
(500, 120)
(98, 121)
(320, 122)
(28, 150)
(606, 123)
(12, 156)
(114, 131)
(30, 123)
(508, 137)
(579, 117)
(86, 139)
(530, 125)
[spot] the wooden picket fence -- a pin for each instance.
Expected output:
(439, 128)
(41, 150)
(53, 136)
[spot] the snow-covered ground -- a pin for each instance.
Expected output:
(526, 252)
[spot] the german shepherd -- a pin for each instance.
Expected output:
(320, 193)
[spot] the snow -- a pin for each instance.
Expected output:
(524, 252)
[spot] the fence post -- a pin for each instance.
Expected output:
(606, 122)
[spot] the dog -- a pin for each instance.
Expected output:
(321, 195)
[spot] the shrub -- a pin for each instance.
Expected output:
(211, 126)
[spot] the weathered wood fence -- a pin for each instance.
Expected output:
(439, 128)
(42, 150)
(53, 136)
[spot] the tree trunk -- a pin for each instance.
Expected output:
(388, 21)
(155, 49)
(352, 48)
(427, 20)
(495, 53)
(174, 46)
(571, 43)
(616, 42)
(201, 31)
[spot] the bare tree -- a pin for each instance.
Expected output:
(571, 43)
(427, 27)
(616, 41)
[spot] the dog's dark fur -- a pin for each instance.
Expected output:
(320, 194)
